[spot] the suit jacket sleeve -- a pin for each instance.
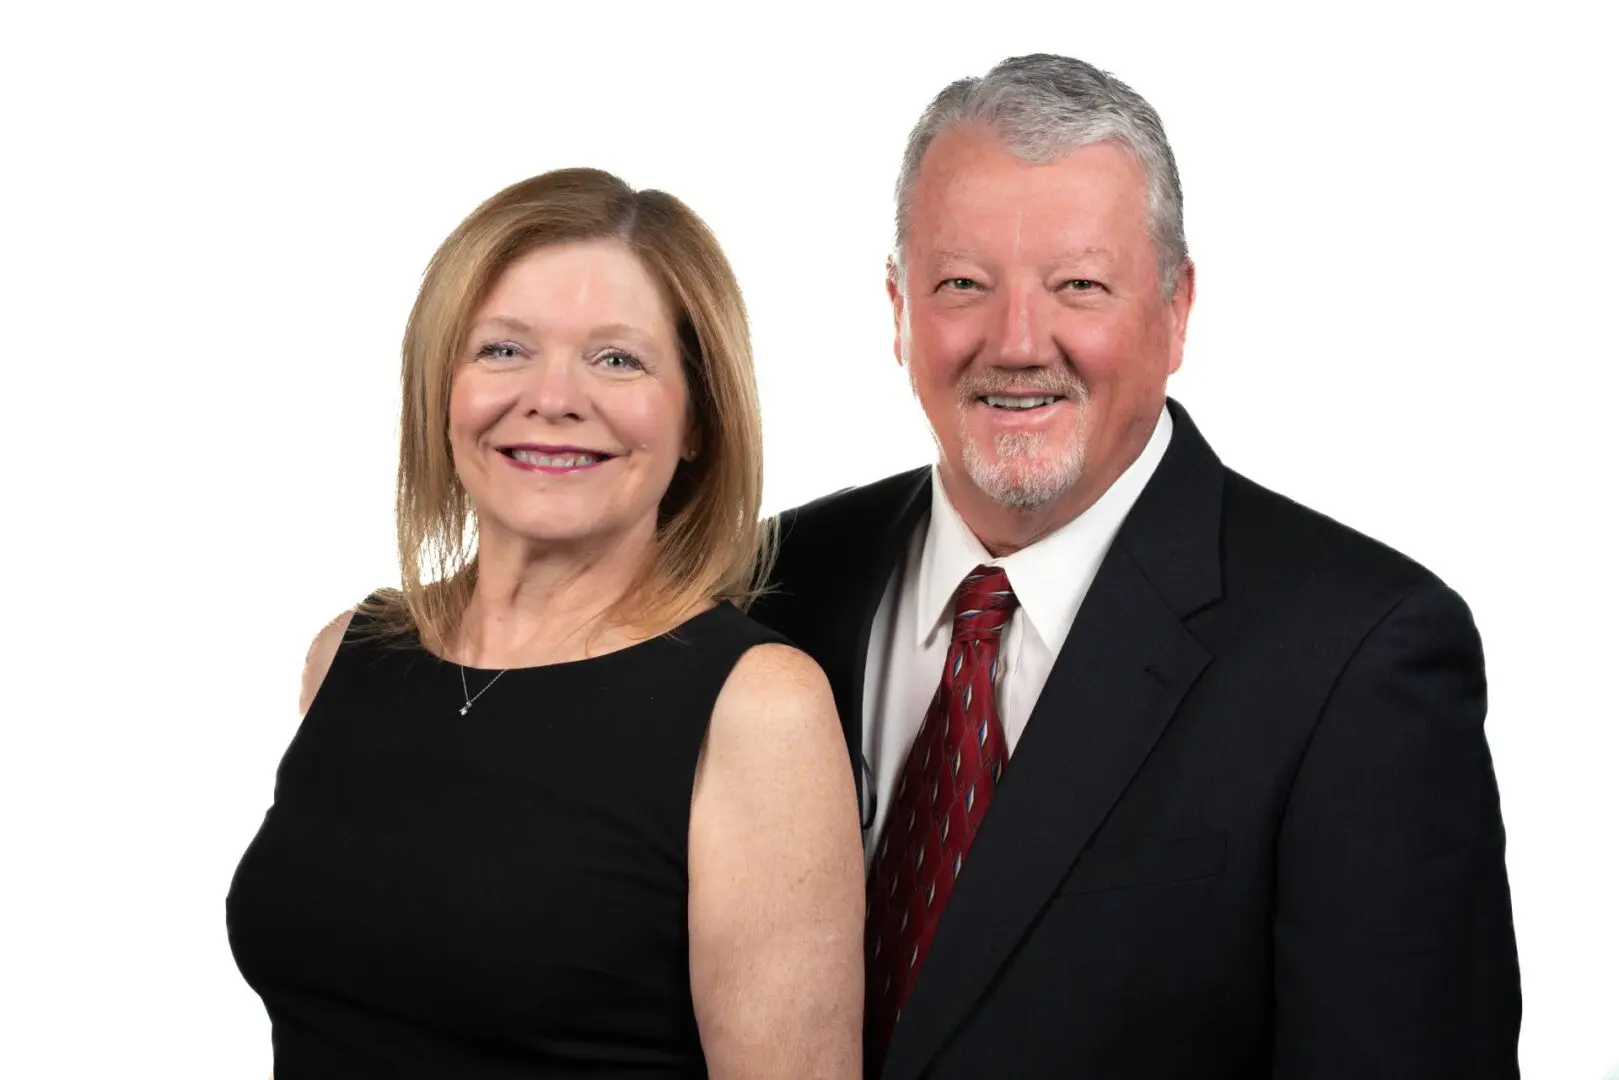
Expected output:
(1394, 949)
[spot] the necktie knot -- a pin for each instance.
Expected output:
(984, 603)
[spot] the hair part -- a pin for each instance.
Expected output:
(711, 544)
(1044, 107)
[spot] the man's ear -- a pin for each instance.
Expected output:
(896, 299)
(1181, 308)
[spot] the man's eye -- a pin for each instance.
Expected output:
(958, 284)
(1081, 285)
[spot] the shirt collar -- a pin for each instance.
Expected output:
(1050, 576)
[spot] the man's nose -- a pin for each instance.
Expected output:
(1023, 326)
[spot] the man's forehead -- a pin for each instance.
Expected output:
(968, 179)
(1072, 219)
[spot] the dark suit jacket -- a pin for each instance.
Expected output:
(1252, 827)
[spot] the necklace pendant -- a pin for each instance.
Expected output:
(465, 707)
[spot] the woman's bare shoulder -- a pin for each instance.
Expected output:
(775, 692)
(776, 713)
(778, 674)
(318, 661)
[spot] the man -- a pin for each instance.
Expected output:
(1163, 774)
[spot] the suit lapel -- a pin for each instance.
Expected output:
(888, 533)
(1126, 665)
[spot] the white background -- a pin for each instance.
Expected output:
(213, 222)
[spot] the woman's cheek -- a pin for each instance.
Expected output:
(649, 422)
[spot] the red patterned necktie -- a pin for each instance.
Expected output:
(942, 794)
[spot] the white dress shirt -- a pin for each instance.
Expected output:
(910, 635)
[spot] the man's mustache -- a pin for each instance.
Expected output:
(1040, 380)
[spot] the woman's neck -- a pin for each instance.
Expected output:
(540, 604)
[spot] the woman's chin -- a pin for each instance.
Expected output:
(559, 531)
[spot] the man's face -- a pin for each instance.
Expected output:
(1033, 325)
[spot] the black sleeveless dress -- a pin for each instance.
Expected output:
(500, 894)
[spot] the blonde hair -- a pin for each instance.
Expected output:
(711, 544)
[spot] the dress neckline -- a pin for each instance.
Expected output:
(583, 661)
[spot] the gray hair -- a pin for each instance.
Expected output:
(1043, 107)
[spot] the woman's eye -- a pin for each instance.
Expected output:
(499, 350)
(618, 360)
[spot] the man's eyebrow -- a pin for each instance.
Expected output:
(1084, 253)
(940, 255)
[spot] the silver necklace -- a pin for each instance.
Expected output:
(469, 699)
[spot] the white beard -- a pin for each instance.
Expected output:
(1020, 476)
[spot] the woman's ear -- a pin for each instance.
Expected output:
(694, 441)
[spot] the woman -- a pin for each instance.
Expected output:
(556, 806)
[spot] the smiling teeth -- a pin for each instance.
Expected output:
(555, 461)
(999, 402)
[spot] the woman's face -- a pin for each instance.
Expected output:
(568, 407)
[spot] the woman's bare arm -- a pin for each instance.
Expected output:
(777, 879)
